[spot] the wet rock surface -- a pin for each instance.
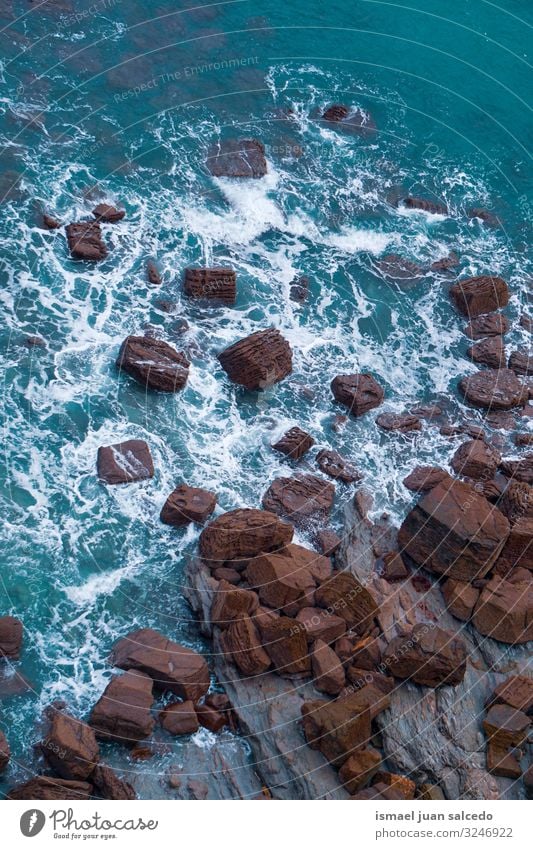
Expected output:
(85, 241)
(125, 462)
(259, 360)
(478, 295)
(358, 392)
(211, 284)
(237, 158)
(300, 499)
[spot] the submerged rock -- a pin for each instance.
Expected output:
(153, 363)
(125, 462)
(152, 273)
(400, 422)
(424, 205)
(259, 360)
(356, 120)
(5, 752)
(10, 638)
(50, 223)
(242, 158)
(521, 362)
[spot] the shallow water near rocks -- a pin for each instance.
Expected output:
(121, 105)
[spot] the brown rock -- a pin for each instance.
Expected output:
(493, 324)
(318, 624)
(347, 598)
(301, 499)
(187, 504)
(210, 718)
(241, 534)
(70, 747)
(446, 263)
(366, 654)
(403, 785)
(355, 120)
(172, 667)
(476, 459)
(259, 360)
(519, 470)
(231, 603)
(237, 158)
(393, 569)
(10, 637)
(179, 718)
(401, 422)
(110, 786)
(283, 579)
(335, 729)
(516, 501)
(521, 362)
(369, 689)
(328, 542)
(294, 443)
(242, 643)
(229, 575)
(153, 363)
(494, 389)
(453, 531)
(398, 268)
(152, 273)
(359, 769)
(424, 478)
(331, 463)
(5, 752)
(48, 788)
(328, 672)
(430, 792)
(286, 644)
(125, 462)
(485, 215)
(518, 548)
(358, 392)
(517, 692)
(505, 611)
(85, 241)
(478, 295)
(428, 656)
(432, 207)
(107, 213)
(50, 223)
(123, 713)
(460, 598)
(489, 352)
(506, 726)
(523, 440)
(212, 284)
(501, 762)
(299, 289)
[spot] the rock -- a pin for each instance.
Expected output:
(478, 295)
(403, 786)
(430, 792)
(10, 638)
(153, 363)
(505, 611)
(107, 213)
(242, 534)
(152, 273)
(401, 422)
(518, 548)
(172, 667)
(123, 712)
(237, 158)
(460, 598)
(521, 362)
(347, 598)
(424, 478)
(299, 289)
(476, 459)
(210, 718)
(453, 531)
(427, 655)
(446, 263)
(485, 215)
(398, 268)
(50, 223)
(328, 542)
(358, 392)
(70, 747)
(394, 569)
(516, 501)
(5, 752)
(519, 470)
(286, 644)
(85, 241)
(356, 120)
(259, 360)
(179, 718)
(50, 788)
(501, 762)
(231, 603)
(301, 498)
(523, 440)
(489, 352)
(328, 672)
(517, 692)
(284, 579)
(211, 284)
(124, 462)
(110, 786)
(331, 463)
(35, 342)
(506, 726)
(492, 324)
(294, 443)
(432, 207)
(359, 769)
(335, 729)
(526, 321)
(241, 642)
(365, 654)
(320, 625)
(187, 504)
(229, 575)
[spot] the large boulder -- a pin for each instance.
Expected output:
(516, 691)
(242, 534)
(10, 637)
(506, 725)
(242, 644)
(521, 362)
(231, 603)
(518, 548)
(108, 213)
(48, 788)
(284, 579)
(505, 610)
(460, 598)
(188, 504)
(476, 459)
(343, 595)
(171, 666)
(124, 462)
(520, 471)
(153, 363)
(237, 158)
(294, 443)
(488, 352)
(358, 392)
(427, 655)
(332, 464)
(454, 531)
(360, 768)
(493, 324)
(335, 728)
(85, 241)
(110, 786)
(478, 295)
(286, 645)
(70, 747)
(320, 624)
(123, 712)
(179, 718)
(211, 284)
(494, 389)
(424, 478)
(259, 360)
(328, 671)
(301, 499)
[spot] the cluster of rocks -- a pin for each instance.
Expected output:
(507, 725)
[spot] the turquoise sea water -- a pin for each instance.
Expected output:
(116, 101)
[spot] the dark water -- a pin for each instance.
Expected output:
(118, 101)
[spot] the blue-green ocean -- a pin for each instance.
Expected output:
(116, 101)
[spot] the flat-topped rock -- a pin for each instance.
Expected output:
(211, 284)
(494, 389)
(506, 725)
(242, 534)
(475, 296)
(358, 392)
(284, 579)
(124, 462)
(517, 692)
(179, 718)
(286, 645)
(70, 747)
(124, 711)
(476, 459)
(153, 363)
(237, 158)
(491, 324)
(320, 624)
(294, 443)
(460, 598)
(171, 666)
(520, 471)
(400, 422)
(504, 611)
(349, 599)
(10, 638)
(85, 241)
(489, 352)
(301, 499)
(427, 655)
(188, 504)
(243, 645)
(332, 464)
(258, 361)
(108, 213)
(424, 478)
